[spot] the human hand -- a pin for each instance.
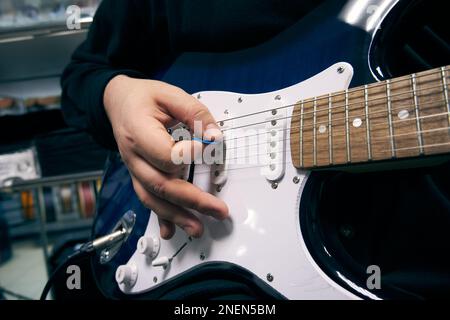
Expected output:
(140, 111)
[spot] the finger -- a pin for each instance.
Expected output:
(167, 211)
(187, 109)
(177, 191)
(166, 228)
(154, 144)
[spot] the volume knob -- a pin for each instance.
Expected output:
(148, 246)
(126, 275)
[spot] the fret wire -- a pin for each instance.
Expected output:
(389, 107)
(301, 133)
(444, 83)
(366, 107)
(315, 133)
(416, 109)
(330, 128)
(347, 129)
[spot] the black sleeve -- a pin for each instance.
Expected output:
(122, 40)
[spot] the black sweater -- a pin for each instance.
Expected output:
(135, 37)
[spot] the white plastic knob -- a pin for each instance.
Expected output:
(126, 275)
(161, 262)
(148, 246)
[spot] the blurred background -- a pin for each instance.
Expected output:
(49, 173)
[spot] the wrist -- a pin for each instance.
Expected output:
(114, 92)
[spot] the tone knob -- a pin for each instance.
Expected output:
(148, 246)
(126, 275)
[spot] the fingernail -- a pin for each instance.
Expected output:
(213, 133)
(193, 231)
(218, 215)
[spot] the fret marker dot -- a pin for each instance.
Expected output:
(357, 122)
(403, 114)
(322, 129)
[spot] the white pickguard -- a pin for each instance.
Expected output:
(264, 233)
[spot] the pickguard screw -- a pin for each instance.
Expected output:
(240, 100)
(226, 111)
(278, 97)
(202, 256)
(274, 185)
(274, 112)
(169, 131)
(155, 279)
(216, 173)
(274, 122)
(296, 180)
(218, 188)
(269, 277)
(199, 96)
(221, 123)
(341, 70)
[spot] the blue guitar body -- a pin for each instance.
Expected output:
(318, 41)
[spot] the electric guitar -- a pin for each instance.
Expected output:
(289, 98)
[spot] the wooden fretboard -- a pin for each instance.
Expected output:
(399, 118)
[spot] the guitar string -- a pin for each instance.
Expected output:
(359, 144)
(383, 99)
(336, 94)
(340, 94)
(441, 91)
(340, 144)
(334, 164)
(383, 113)
(385, 127)
(315, 112)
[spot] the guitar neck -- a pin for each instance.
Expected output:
(399, 118)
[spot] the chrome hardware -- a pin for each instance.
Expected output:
(126, 223)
